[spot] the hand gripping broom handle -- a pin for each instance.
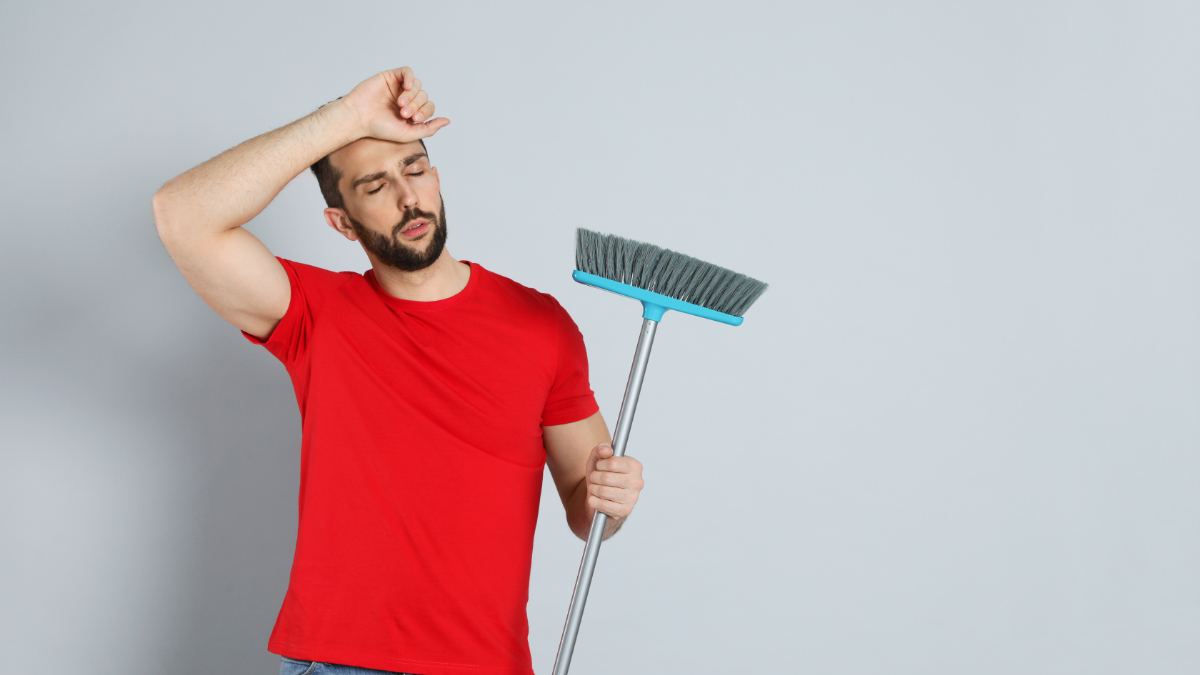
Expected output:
(624, 422)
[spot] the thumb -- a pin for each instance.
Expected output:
(432, 126)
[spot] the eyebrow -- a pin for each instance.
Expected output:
(368, 179)
(412, 158)
(380, 174)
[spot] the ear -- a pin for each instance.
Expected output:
(339, 221)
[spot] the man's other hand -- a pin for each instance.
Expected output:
(613, 483)
(392, 106)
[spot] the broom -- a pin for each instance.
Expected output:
(661, 279)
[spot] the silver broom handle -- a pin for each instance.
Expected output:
(624, 422)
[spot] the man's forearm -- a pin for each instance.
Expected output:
(228, 190)
(580, 515)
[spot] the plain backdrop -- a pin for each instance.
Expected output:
(959, 434)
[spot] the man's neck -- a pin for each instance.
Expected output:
(444, 278)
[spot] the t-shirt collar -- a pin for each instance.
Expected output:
(418, 305)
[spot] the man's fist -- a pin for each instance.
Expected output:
(613, 483)
(392, 106)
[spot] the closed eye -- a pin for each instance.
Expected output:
(371, 192)
(417, 173)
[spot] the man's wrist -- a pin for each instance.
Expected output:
(343, 120)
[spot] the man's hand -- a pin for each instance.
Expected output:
(591, 480)
(392, 106)
(613, 483)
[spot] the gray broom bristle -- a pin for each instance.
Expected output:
(665, 272)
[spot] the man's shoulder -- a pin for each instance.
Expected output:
(304, 271)
(315, 285)
(525, 296)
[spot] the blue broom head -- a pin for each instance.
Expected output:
(663, 279)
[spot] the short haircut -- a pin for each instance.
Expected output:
(328, 176)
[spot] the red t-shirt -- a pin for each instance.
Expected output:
(420, 468)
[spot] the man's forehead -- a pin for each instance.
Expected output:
(369, 155)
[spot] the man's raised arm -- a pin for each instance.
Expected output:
(200, 213)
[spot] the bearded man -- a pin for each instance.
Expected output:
(431, 393)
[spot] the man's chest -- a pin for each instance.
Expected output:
(474, 370)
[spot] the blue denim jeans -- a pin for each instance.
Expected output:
(294, 667)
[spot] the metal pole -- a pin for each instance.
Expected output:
(588, 565)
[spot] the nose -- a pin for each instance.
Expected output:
(408, 196)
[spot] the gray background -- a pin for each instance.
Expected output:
(958, 435)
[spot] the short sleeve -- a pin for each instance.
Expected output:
(309, 288)
(571, 398)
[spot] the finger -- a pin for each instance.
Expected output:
(425, 112)
(427, 129)
(408, 89)
(403, 76)
(620, 465)
(433, 125)
(613, 464)
(613, 494)
(617, 492)
(407, 97)
(623, 481)
(414, 106)
(611, 509)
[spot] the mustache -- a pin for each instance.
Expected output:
(411, 215)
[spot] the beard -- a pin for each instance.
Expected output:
(394, 252)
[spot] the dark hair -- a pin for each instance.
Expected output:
(328, 177)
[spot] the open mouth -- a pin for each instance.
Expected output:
(415, 229)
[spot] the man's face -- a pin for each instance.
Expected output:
(393, 202)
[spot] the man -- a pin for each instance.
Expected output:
(431, 393)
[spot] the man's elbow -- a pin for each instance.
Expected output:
(165, 219)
